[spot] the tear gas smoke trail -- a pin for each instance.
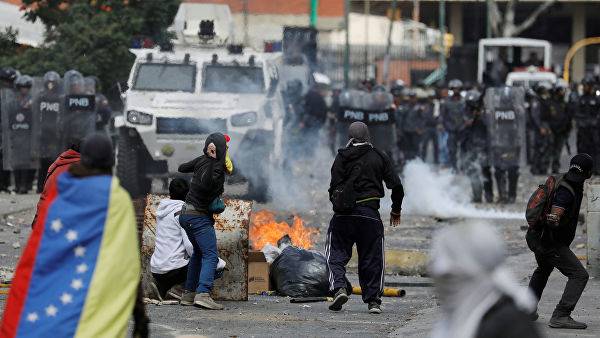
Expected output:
(442, 194)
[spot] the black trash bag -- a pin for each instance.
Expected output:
(300, 273)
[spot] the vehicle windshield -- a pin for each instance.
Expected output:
(233, 79)
(165, 77)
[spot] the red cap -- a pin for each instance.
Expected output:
(227, 138)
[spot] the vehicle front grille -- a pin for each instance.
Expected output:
(190, 126)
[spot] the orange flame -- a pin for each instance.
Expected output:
(264, 229)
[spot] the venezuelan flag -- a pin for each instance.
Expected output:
(79, 273)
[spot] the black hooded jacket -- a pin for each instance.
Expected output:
(209, 175)
(376, 169)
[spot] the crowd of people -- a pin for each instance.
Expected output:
(84, 216)
(39, 115)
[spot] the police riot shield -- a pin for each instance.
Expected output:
(375, 110)
(20, 125)
(48, 105)
(505, 117)
(79, 107)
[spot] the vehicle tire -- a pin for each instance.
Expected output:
(130, 169)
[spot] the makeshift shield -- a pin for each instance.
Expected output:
(505, 116)
(19, 129)
(79, 108)
(375, 110)
(48, 105)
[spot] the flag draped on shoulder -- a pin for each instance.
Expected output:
(79, 273)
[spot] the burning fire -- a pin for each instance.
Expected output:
(264, 229)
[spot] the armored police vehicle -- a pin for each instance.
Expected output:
(175, 99)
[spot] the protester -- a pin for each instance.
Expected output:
(80, 271)
(59, 166)
(478, 296)
(172, 248)
(355, 190)
(197, 220)
(551, 248)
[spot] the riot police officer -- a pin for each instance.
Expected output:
(475, 148)
(453, 119)
(49, 108)
(400, 93)
(560, 123)
(103, 111)
(412, 126)
(587, 113)
(505, 116)
(540, 118)
(8, 75)
(431, 122)
(21, 125)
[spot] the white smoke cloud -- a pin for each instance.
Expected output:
(442, 194)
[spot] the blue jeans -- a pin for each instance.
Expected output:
(201, 268)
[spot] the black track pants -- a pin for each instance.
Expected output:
(363, 227)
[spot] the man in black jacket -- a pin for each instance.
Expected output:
(197, 220)
(552, 249)
(361, 225)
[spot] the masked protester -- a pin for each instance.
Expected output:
(357, 177)
(197, 219)
(477, 294)
(552, 250)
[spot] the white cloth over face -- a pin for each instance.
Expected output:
(467, 266)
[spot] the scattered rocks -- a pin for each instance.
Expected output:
(16, 245)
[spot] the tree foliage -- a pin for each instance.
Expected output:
(91, 36)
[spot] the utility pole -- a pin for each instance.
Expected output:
(314, 13)
(488, 20)
(386, 59)
(245, 10)
(366, 60)
(442, 10)
(347, 51)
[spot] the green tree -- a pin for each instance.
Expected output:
(91, 36)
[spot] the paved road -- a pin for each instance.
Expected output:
(261, 316)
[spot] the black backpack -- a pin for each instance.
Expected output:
(343, 197)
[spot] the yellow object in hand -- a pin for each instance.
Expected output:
(228, 163)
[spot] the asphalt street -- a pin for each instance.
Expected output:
(270, 316)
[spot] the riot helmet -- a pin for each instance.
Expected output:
(24, 81)
(543, 89)
(8, 75)
(397, 88)
(588, 80)
(455, 85)
(51, 80)
(472, 98)
(74, 82)
(560, 87)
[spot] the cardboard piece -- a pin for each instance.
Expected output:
(258, 273)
